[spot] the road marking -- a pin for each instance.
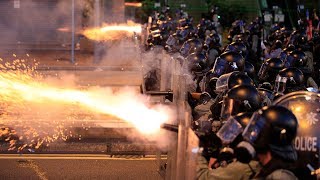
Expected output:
(32, 165)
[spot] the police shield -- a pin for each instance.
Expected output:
(306, 107)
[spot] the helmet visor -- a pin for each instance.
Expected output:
(220, 67)
(263, 72)
(289, 61)
(280, 85)
(229, 131)
(222, 83)
(266, 92)
(253, 129)
(230, 107)
(171, 41)
(185, 49)
(208, 41)
(283, 56)
(196, 69)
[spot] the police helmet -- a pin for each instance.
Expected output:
(273, 128)
(228, 62)
(197, 63)
(270, 69)
(274, 28)
(239, 38)
(266, 95)
(212, 41)
(296, 59)
(238, 47)
(241, 98)
(289, 79)
(249, 69)
(230, 80)
(191, 46)
(182, 34)
(278, 44)
(300, 40)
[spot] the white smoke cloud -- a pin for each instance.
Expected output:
(33, 123)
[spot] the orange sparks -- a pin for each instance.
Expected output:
(133, 4)
(17, 87)
(112, 31)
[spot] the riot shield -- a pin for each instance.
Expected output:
(306, 107)
(192, 154)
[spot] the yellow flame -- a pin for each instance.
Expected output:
(132, 4)
(17, 86)
(112, 31)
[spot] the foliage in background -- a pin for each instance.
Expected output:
(229, 10)
(147, 9)
(229, 14)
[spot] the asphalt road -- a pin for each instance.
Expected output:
(77, 167)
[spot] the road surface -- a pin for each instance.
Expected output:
(77, 167)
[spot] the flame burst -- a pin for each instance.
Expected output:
(127, 106)
(25, 87)
(112, 31)
(64, 29)
(132, 4)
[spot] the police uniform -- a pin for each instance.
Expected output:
(281, 174)
(276, 169)
(235, 170)
(203, 110)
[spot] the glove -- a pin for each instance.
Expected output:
(204, 98)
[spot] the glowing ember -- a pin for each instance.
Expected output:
(132, 4)
(64, 29)
(112, 31)
(25, 92)
(16, 86)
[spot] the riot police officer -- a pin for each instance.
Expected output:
(227, 62)
(227, 81)
(191, 46)
(296, 58)
(289, 80)
(197, 65)
(242, 166)
(222, 85)
(238, 47)
(249, 69)
(300, 60)
(269, 70)
(271, 131)
(212, 46)
(241, 98)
